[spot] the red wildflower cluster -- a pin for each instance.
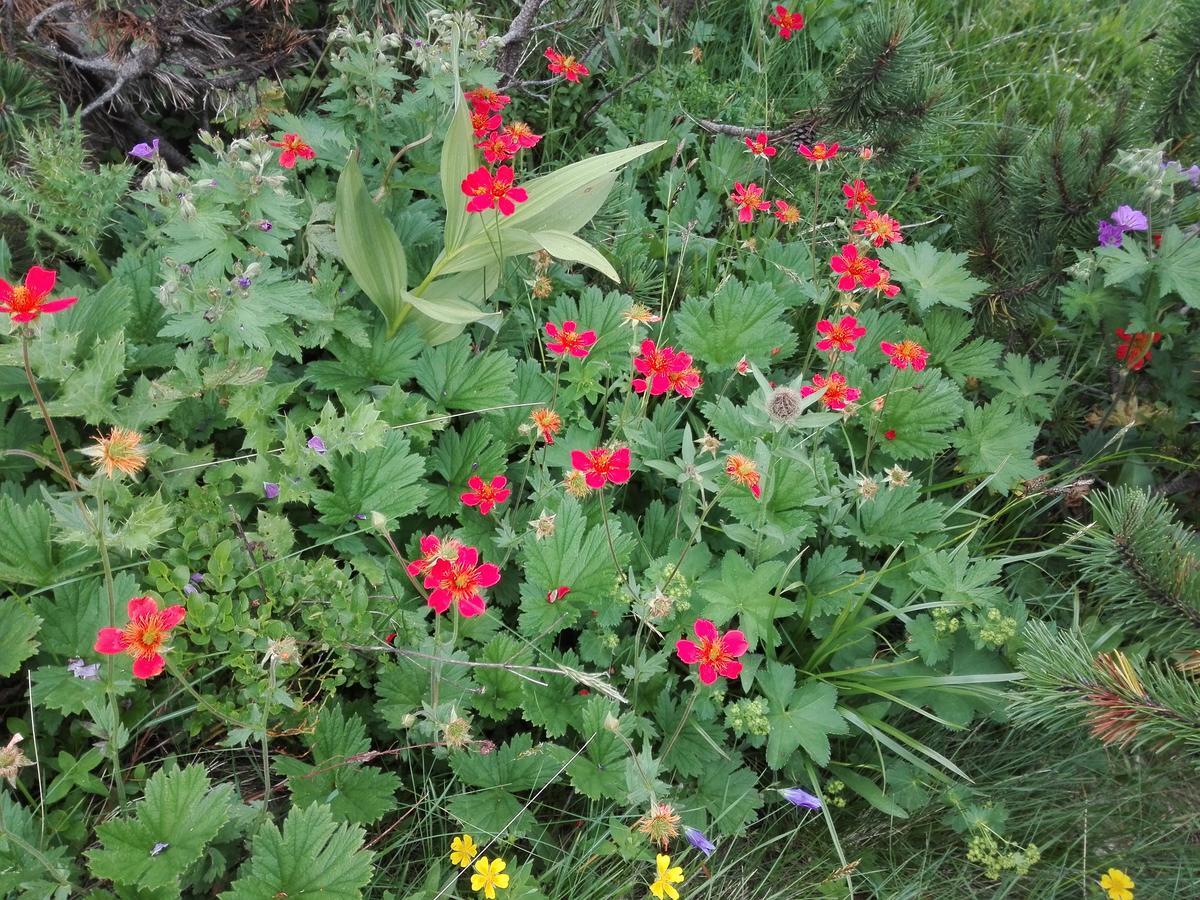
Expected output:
(663, 369)
(292, 147)
(565, 65)
(486, 494)
(787, 22)
(837, 392)
(499, 143)
(26, 302)
(602, 466)
(459, 580)
(839, 335)
(786, 213)
(855, 271)
(1134, 349)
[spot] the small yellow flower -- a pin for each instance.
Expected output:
(120, 452)
(463, 850)
(488, 876)
(1118, 884)
(668, 876)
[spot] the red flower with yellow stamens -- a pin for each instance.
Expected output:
(482, 122)
(26, 302)
(837, 392)
(459, 581)
(879, 228)
(486, 99)
(655, 365)
(748, 199)
(1134, 349)
(293, 147)
(787, 22)
(841, 335)
(566, 339)
(433, 549)
(602, 466)
(686, 381)
(743, 470)
(759, 146)
(547, 422)
(855, 270)
(497, 147)
(885, 285)
(522, 134)
(819, 153)
(488, 191)
(565, 65)
(786, 213)
(906, 353)
(716, 653)
(485, 494)
(858, 194)
(143, 637)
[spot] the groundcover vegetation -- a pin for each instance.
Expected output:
(599, 450)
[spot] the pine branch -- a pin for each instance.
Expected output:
(1174, 93)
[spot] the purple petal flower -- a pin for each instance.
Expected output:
(264, 225)
(189, 589)
(1193, 175)
(145, 151)
(244, 282)
(699, 841)
(80, 669)
(800, 797)
(1110, 235)
(1129, 219)
(270, 490)
(315, 443)
(196, 577)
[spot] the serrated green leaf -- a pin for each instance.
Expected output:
(19, 626)
(1177, 264)
(1031, 386)
(457, 456)
(920, 409)
(26, 554)
(930, 275)
(744, 598)
(737, 320)
(383, 480)
(801, 718)
(455, 378)
(728, 792)
(995, 441)
(894, 516)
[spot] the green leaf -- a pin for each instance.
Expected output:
(500, 690)
(459, 455)
(747, 596)
(956, 578)
(599, 772)
(456, 378)
(921, 408)
(801, 718)
(19, 626)
(930, 276)
(996, 441)
(1178, 265)
(369, 246)
(870, 791)
(946, 330)
(88, 393)
(312, 857)
(459, 158)
(26, 554)
(828, 577)
(355, 793)
(489, 813)
(562, 245)
(924, 638)
(515, 766)
(384, 480)
(1031, 386)
(894, 516)
(737, 320)
(728, 791)
(181, 810)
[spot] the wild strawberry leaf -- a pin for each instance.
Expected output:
(383, 480)
(19, 626)
(995, 441)
(737, 320)
(929, 275)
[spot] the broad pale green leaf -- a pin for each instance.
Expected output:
(801, 718)
(930, 276)
(459, 157)
(995, 440)
(369, 246)
(561, 245)
(1178, 265)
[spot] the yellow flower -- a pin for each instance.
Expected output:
(463, 850)
(120, 452)
(488, 876)
(1118, 884)
(667, 877)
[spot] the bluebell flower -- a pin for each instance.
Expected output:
(80, 669)
(799, 797)
(196, 577)
(699, 841)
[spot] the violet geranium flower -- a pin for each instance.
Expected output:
(145, 151)
(1110, 235)
(1129, 219)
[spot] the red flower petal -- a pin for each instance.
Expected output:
(148, 666)
(40, 281)
(110, 640)
(705, 630)
(140, 607)
(687, 651)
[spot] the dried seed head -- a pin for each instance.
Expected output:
(784, 404)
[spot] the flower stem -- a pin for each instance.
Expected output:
(37, 396)
(682, 719)
(110, 686)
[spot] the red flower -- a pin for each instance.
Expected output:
(565, 65)
(143, 637)
(488, 191)
(786, 22)
(656, 365)
(432, 550)
(292, 146)
(547, 422)
(819, 153)
(890, 434)
(498, 147)
(744, 471)
(855, 270)
(1134, 349)
(568, 340)
(685, 381)
(25, 302)
(486, 99)
(482, 122)
(555, 594)
(743, 366)
(858, 194)
(837, 393)
(602, 466)
(748, 199)
(786, 213)
(840, 336)
(879, 228)
(758, 146)
(459, 580)
(522, 134)
(906, 353)
(485, 496)
(885, 285)
(716, 653)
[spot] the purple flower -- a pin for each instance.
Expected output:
(270, 490)
(699, 841)
(801, 798)
(196, 577)
(244, 282)
(1193, 175)
(189, 589)
(1129, 219)
(145, 151)
(315, 443)
(1110, 235)
(264, 225)
(80, 669)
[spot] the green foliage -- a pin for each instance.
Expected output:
(931, 276)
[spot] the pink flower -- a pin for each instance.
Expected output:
(906, 353)
(686, 381)
(602, 466)
(786, 22)
(759, 146)
(837, 393)
(855, 270)
(143, 637)
(566, 339)
(748, 199)
(885, 285)
(433, 549)
(459, 581)
(840, 336)
(858, 194)
(485, 495)
(879, 228)
(716, 653)
(292, 147)
(26, 302)
(656, 364)
(498, 147)
(488, 191)
(819, 153)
